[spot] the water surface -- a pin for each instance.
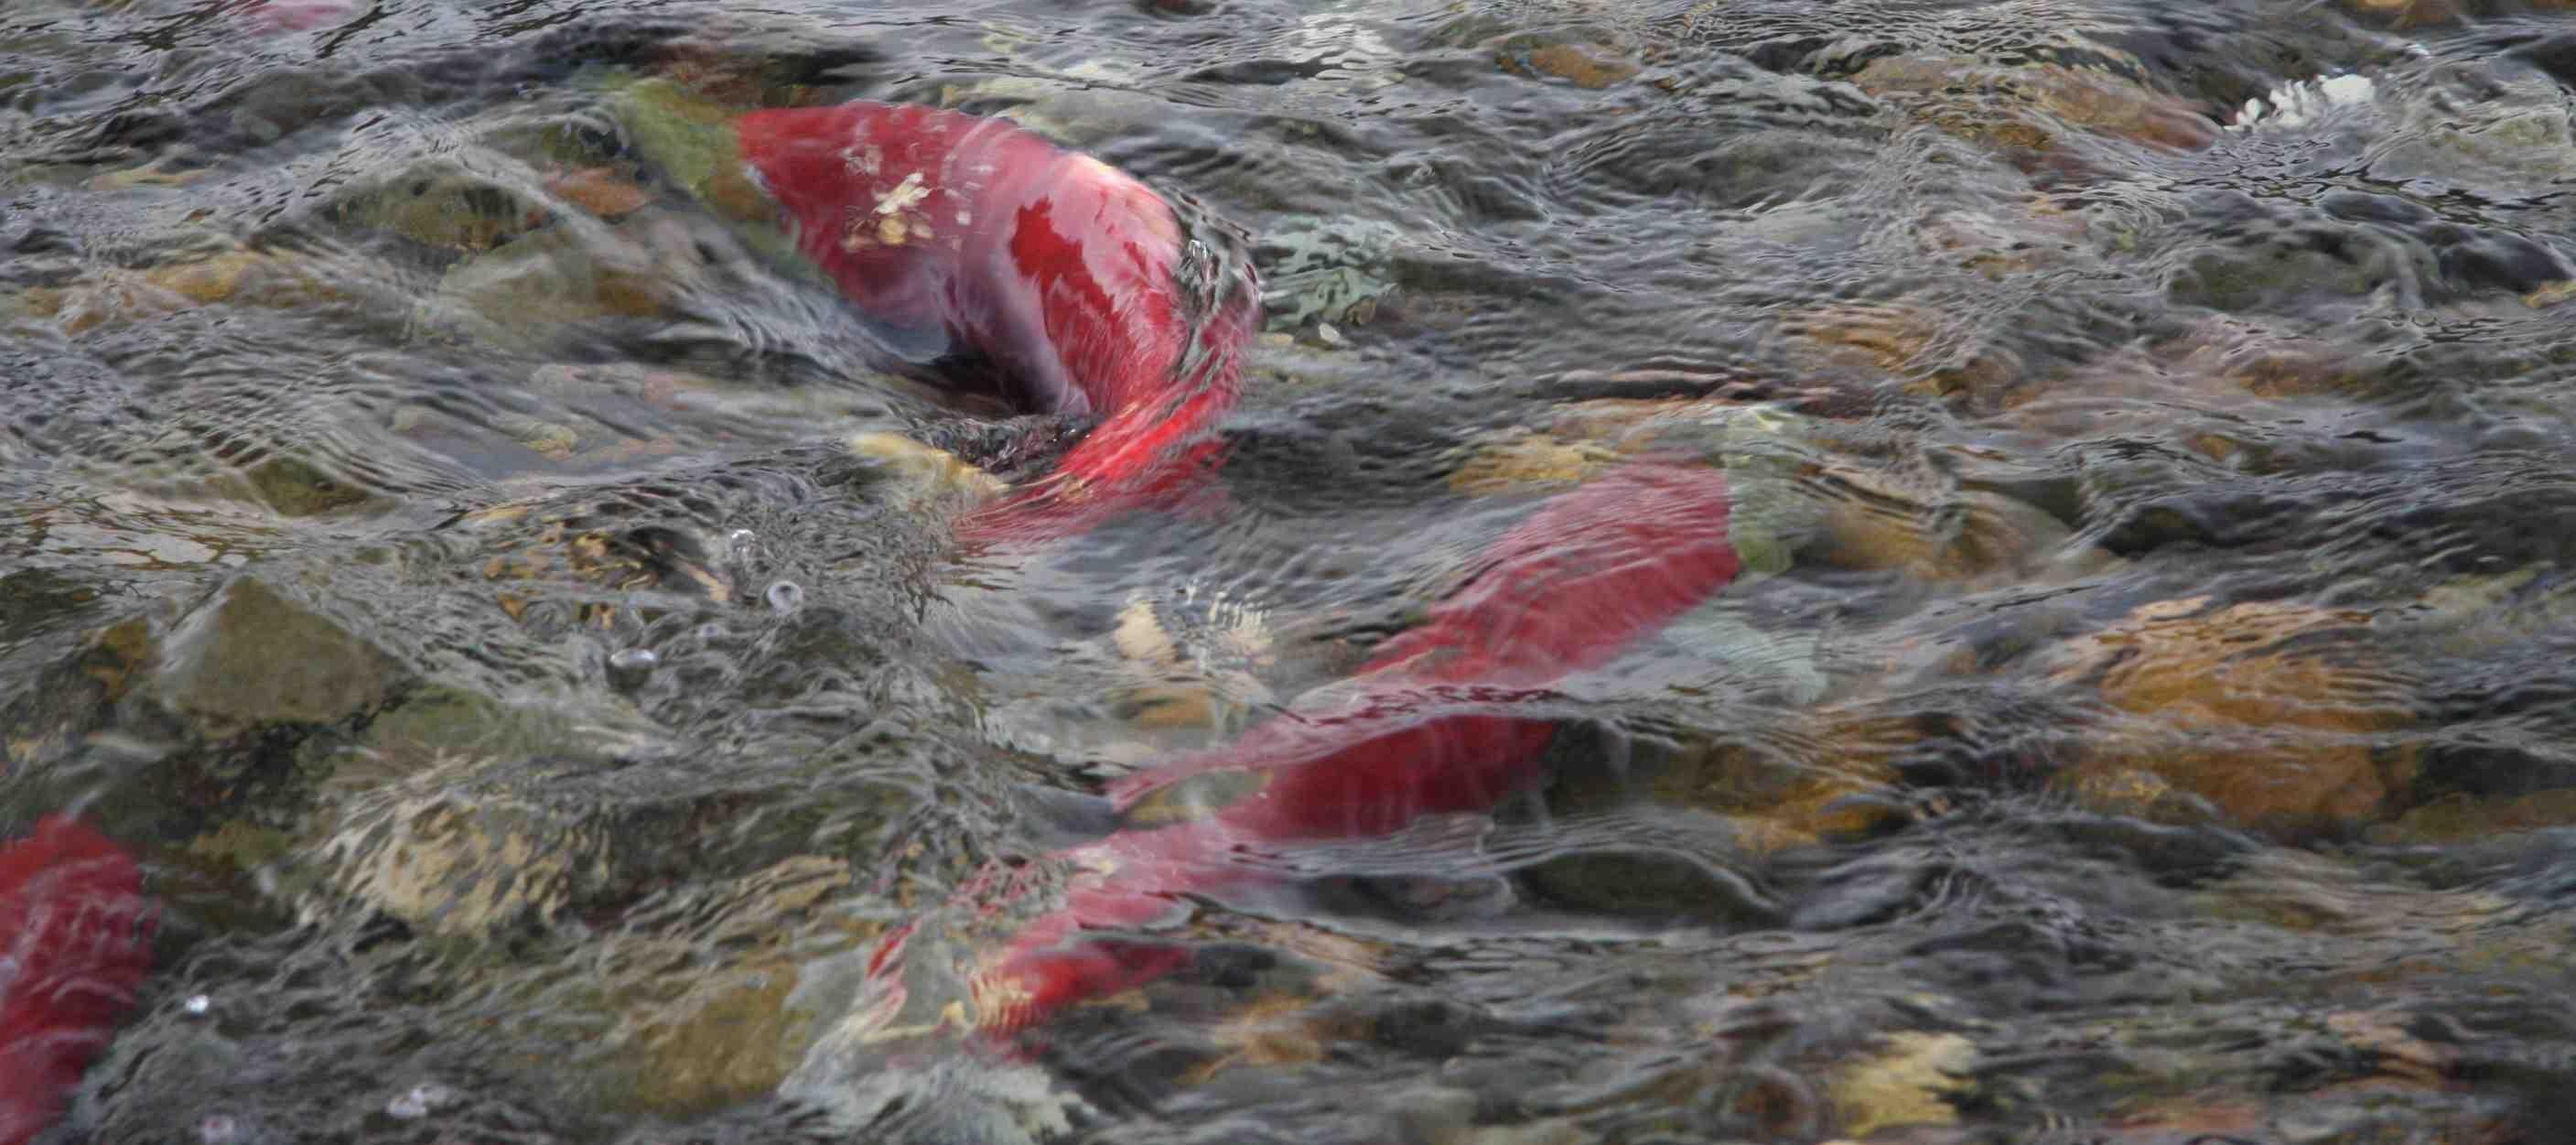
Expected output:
(428, 535)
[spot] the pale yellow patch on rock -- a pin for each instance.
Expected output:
(934, 473)
(1910, 1084)
(1527, 462)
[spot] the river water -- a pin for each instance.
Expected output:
(431, 538)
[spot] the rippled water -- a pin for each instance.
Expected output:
(429, 538)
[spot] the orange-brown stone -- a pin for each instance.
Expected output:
(2270, 712)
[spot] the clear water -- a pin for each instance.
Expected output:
(427, 535)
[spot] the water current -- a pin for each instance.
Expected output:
(508, 601)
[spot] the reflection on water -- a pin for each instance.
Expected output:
(506, 598)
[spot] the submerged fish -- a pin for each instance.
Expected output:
(1439, 722)
(1100, 296)
(296, 15)
(75, 942)
(1093, 292)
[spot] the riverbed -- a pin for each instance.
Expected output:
(456, 549)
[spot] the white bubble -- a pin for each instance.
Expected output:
(635, 659)
(198, 1005)
(785, 596)
(420, 1101)
(2306, 102)
(628, 667)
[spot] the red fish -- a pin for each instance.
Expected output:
(1439, 724)
(75, 942)
(1082, 283)
(296, 15)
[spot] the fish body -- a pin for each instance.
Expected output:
(75, 943)
(1439, 723)
(296, 15)
(1102, 298)
(1087, 287)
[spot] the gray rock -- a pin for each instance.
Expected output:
(253, 655)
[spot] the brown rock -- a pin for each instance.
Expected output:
(1799, 785)
(2021, 108)
(238, 275)
(601, 191)
(2266, 710)
(936, 474)
(1528, 462)
(1277, 1031)
(1208, 684)
(1912, 1083)
(1902, 339)
(1581, 65)
(1960, 535)
(723, 1034)
(252, 655)
(2461, 819)
(2405, 13)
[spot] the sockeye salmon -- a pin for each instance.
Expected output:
(1436, 725)
(1096, 294)
(75, 942)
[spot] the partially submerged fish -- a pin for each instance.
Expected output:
(1439, 723)
(75, 942)
(1093, 292)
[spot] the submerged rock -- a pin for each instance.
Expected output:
(295, 487)
(709, 992)
(1935, 357)
(1797, 495)
(454, 857)
(1914, 1082)
(253, 655)
(531, 289)
(472, 199)
(606, 192)
(2024, 108)
(2463, 819)
(1964, 536)
(1326, 270)
(257, 277)
(1590, 66)
(2270, 712)
(51, 719)
(1680, 833)
(1197, 656)
(929, 475)
(593, 557)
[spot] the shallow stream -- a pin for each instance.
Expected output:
(430, 537)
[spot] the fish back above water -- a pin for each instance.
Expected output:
(1084, 284)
